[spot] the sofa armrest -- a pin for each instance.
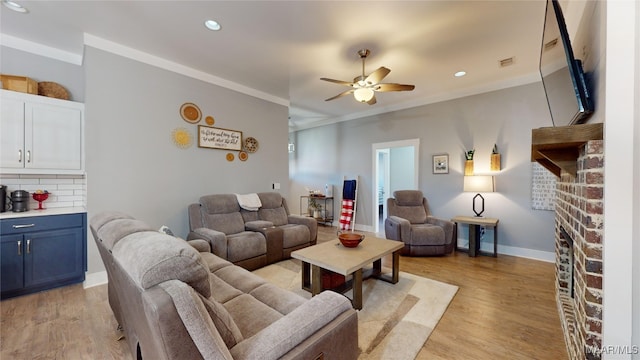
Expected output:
(200, 245)
(309, 222)
(397, 228)
(216, 239)
(447, 226)
(291, 330)
(275, 242)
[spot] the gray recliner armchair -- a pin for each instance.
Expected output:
(410, 221)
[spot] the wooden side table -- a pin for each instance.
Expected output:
(474, 223)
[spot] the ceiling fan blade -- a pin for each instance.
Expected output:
(393, 87)
(346, 83)
(372, 101)
(341, 94)
(377, 76)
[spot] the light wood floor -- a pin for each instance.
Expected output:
(504, 309)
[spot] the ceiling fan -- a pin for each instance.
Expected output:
(364, 87)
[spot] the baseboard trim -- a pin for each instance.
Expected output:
(486, 246)
(95, 279)
(546, 256)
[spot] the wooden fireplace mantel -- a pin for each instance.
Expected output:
(558, 148)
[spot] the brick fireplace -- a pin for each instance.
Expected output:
(579, 234)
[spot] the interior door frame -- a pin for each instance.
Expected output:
(388, 145)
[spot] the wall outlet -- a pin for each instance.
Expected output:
(275, 186)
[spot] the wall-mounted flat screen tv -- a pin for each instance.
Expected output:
(562, 75)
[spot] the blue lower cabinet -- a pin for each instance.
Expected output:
(11, 263)
(42, 252)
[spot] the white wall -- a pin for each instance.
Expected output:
(132, 162)
(478, 122)
(40, 68)
(634, 280)
(621, 301)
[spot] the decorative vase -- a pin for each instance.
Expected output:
(495, 162)
(468, 167)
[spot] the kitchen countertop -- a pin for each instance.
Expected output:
(45, 212)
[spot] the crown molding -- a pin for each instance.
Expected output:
(125, 51)
(40, 49)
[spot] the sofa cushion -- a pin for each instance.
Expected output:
(193, 314)
(272, 208)
(278, 216)
(426, 235)
(251, 315)
(408, 197)
(294, 235)
(414, 214)
(277, 298)
(151, 258)
(223, 322)
(295, 328)
(222, 291)
(245, 245)
(219, 204)
(229, 223)
(102, 218)
(270, 200)
(113, 231)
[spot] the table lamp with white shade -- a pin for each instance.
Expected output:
(479, 184)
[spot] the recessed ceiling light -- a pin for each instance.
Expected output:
(14, 6)
(460, 73)
(212, 25)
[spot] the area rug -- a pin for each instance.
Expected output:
(395, 320)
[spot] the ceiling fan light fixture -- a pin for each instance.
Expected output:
(363, 94)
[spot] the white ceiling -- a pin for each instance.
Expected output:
(282, 48)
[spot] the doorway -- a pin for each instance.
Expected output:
(395, 167)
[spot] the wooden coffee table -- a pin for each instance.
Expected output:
(333, 256)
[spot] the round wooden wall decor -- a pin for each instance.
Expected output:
(190, 112)
(209, 120)
(243, 156)
(230, 157)
(250, 145)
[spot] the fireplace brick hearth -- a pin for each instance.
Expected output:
(579, 211)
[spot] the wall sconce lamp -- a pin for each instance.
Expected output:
(478, 184)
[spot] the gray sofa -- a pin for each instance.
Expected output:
(177, 300)
(251, 239)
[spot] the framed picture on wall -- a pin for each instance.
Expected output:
(441, 164)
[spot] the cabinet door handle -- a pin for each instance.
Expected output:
(28, 156)
(19, 247)
(20, 155)
(23, 226)
(28, 246)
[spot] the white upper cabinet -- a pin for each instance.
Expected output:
(40, 135)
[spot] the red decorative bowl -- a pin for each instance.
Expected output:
(350, 239)
(40, 197)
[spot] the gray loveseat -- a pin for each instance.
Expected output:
(176, 302)
(251, 239)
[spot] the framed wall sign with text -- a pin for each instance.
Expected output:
(217, 138)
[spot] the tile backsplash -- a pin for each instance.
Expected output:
(64, 190)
